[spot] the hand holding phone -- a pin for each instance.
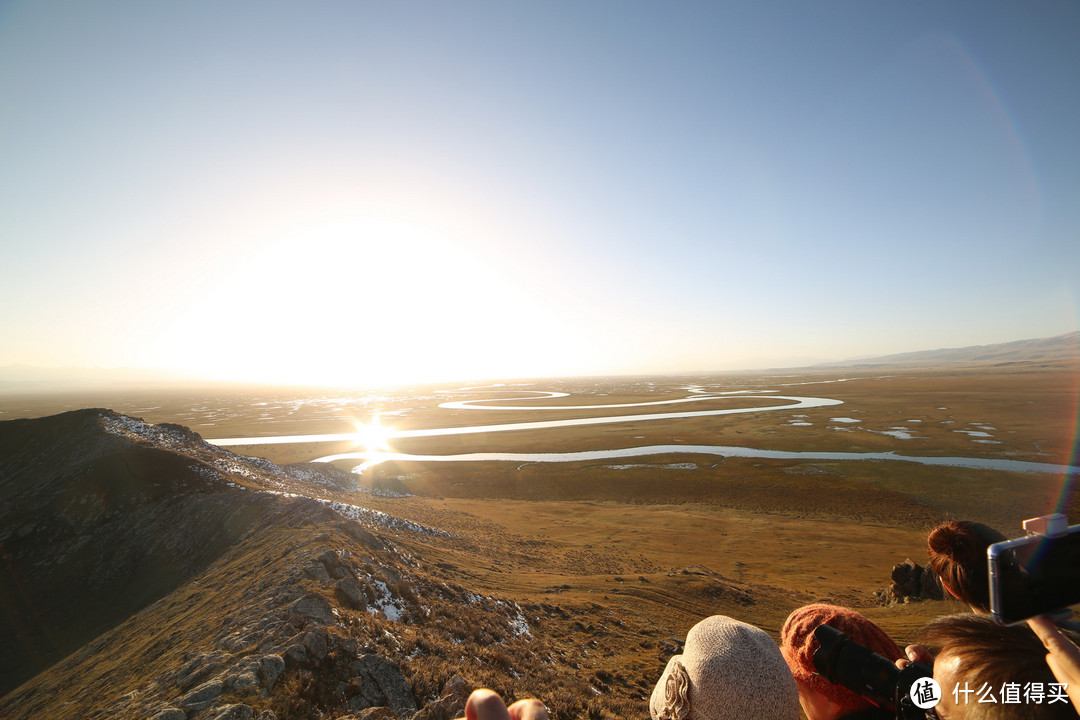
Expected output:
(1064, 656)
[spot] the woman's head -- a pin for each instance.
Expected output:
(727, 669)
(957, 552)
(821, 698)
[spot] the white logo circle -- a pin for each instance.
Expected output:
(925, 693)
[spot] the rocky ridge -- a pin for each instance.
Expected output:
(152, 575)
(174, 579)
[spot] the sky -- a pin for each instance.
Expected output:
(368, 192)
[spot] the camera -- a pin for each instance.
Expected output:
(1038, 574)
(843, 661)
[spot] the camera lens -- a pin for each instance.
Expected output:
(844, 662)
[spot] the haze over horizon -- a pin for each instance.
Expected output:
(33, 378)
(360, 193)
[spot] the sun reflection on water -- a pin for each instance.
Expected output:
(373, 435)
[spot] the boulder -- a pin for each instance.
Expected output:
(296, 654)
(911, 581)
(317, 571)
(348, 589)
(203, 696)
(270, 669)
(931, 586)
(313, 607)
(380, 684)
(315, 642)
(329, 559)
(357, 532)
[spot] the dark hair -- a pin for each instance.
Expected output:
(994, 654)
(957, 552)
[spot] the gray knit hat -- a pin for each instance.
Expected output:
(728, 669)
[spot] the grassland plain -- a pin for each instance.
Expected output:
(633, 552)
(845, 522)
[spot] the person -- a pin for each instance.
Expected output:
(728, 669)
(821, 699)
(989, 671)
(484, 704)
(957, 551)
(1063, 657)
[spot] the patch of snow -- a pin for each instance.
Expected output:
(844, 420)
(370, 517)
(376, 517)
(385, 602)
(898, 432)
(516, 621)
(519, 625)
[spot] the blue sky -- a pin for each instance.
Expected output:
(365, 192)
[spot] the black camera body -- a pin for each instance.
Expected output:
(844, 662)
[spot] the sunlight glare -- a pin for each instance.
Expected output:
(373, 437)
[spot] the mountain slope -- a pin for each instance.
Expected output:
(148, 574)
(91, 533)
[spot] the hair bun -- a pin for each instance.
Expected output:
(952, 540)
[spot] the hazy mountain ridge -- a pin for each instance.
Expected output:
(1052, 349)
(28, 378)
(191, 583)
(16, 379)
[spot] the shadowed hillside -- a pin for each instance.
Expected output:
(169, 578)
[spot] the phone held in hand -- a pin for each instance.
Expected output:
(1038, 574)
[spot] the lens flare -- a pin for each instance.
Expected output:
(373, 437)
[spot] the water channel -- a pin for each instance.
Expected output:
(370, 458)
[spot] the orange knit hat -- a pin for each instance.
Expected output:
(798, 645)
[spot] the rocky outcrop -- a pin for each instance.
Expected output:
(911, 582)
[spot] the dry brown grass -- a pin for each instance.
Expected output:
(612, 567)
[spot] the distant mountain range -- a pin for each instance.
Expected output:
(38, 377)
(34, 378)
(1045, 350)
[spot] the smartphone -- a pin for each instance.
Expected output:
(1034, 575)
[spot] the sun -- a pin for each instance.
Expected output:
(373, 436)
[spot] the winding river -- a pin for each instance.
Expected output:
(793, 403)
